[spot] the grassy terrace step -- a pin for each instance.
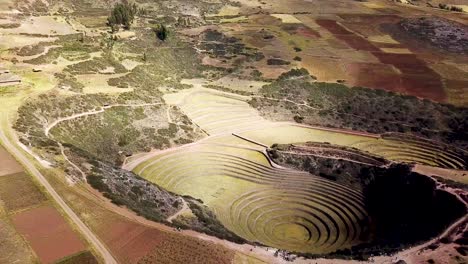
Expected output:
(385, 148)
(420, 155)
(178, 159)
(422, 141)
(441, 150)
(351, 208)
(335, 223)
(439, 157)
(244, 167)
(427, 144)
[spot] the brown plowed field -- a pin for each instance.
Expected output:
(374, 75)
(424, 87)
(135, 243)
(188, 250)
(17, 192)
(333, 27)
(48, 233)
(8, 164)
(131, 241)
(307, 32)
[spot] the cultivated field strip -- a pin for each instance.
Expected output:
(287, 209)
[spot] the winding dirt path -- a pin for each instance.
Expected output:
(185, 208)
(62, 151)
(92, 112)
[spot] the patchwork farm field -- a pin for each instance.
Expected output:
(32, 230)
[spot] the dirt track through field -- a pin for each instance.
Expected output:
(92, 112)
(85, 231)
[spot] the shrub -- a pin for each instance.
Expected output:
(161, 32)
(122, 15)
(456, 9)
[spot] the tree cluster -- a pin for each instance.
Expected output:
(122, 15)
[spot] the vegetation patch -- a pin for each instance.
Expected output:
(206, 222)
(439, 32)
(217, 44)
(84, 257)
(121, 131)
(362, 109)
(125, 188)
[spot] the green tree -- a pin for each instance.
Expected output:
(123, 15)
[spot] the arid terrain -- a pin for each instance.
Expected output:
(233, 131)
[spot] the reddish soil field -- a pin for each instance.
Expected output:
(374, 75)
(370, 19)
(406, 63)
(307, 32)
(417, 79)
(8, 165)
(333, 27)
(354, 41)
(178, 249)
(424, 86)
(47, 233)
(388, 45)
(131, 241)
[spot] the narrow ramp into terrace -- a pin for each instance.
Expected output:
(250, 140)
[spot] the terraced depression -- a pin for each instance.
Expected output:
(259, 200)
(274, 206)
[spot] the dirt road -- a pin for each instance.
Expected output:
(92, 112)
(85, 231)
